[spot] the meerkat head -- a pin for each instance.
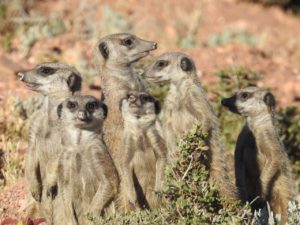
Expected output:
(84, 112)
(250, 101)
(121, 49)
(139, 104)
(50, 78)
(171, 66)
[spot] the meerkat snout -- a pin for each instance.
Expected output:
(230, 104)
(250, 101)
(154, 45)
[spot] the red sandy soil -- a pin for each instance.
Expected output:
(277, 56)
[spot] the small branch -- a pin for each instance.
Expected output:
(187, 170)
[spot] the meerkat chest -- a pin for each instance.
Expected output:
(178, 118)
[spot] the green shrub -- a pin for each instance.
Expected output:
(189, 197)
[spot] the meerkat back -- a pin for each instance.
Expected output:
(142, 165)
(186, 105)
(262, 168)
(93, 179)
(114, 56)
(55, 82)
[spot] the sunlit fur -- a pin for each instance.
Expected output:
(262, 167)
(117, 78)
(87, 177)
(144, 153)
(44, 138)
(185, 105)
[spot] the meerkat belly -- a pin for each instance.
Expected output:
(87, 180)
(182, 121)
(144, 163)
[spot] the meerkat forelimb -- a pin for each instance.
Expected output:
(114, 56)
(55, 81)
(90, 181)
(185, 105)
(145, 153)
(262, 165)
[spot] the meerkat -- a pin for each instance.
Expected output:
(87, 176)
(114, 56)
(186, 104)
(55, 81)
(263, 173)
(144, 153)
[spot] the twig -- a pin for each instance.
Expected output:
(187, 170)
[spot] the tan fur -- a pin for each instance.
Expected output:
(117, 78)
(261, 164)
(56, 82)
(186, 104)
(88, 180)
(144, 154)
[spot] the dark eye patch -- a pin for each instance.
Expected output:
(146, 98)
(46, 71)
(71, 105)
(161, 64)
(92, 105)
(127, 42)
(245, 95)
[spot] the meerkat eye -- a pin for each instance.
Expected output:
(127, 42)
(245, 95)
(46, 70)
(162, 63)
(91, 105)
(71, 105)
(146, 98)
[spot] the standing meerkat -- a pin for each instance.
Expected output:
(114, 56)
(144, 154)
(87, 176)
(261, 164)
(56, 82)
(186, 104)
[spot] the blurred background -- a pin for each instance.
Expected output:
(233, 42)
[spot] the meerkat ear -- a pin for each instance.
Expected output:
(59, 110)
(157, 106)
(104, 50)
(74, 82)
(121, 103)
(105, 110)
(186, 64)
(269, 99)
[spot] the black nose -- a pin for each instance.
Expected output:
(225, 102)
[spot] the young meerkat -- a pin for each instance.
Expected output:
(114, 56)
(144, 153)
(186, 104)
(87, 176)
(56, 82)
(261, 164)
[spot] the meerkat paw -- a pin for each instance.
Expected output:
(52, 191)
(94, 213)
(133, 205)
